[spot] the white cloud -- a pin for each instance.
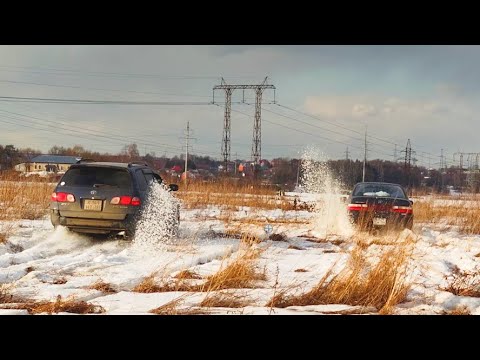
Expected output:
(363, 110)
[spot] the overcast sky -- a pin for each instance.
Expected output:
(428, 94)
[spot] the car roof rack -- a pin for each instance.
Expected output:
(137, 164)
(84, 160)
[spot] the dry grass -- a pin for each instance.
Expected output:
(172, 308)
(103, 287)
(150, 285)
(69, 305)
(5, 295)
(381, 285)
(222, 299)
(281, 298)
(277, 237)
(187, 274)
(60, 281)
(459, 310)
(6, 229)
(301, 270)
(295, 247)
(24, 199)
(463, 283)
(238, 274)
(467, 218)
(224, 192)
(3, 236)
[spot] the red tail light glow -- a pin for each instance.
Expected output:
(63, 197)
(402, 209)
(125, 200)
(357, 207)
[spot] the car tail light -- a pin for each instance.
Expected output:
(402, 209)
(63, 197)
(125, 200)
(115, 200)
(357, 207)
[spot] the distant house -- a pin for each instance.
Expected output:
(48, 163)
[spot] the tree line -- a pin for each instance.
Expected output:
(283, 171)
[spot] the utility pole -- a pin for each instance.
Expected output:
(236, 156)
(346, 154)
(364, 155)
(298, 170)
(442, 167)
(187, 137)
(257, 125)
(395, 154)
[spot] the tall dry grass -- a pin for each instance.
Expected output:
(23, 198)
(463, 283)
(466, 217)
(459, 310)
(231, 195)
(238, 273)
(225, 300)
(6, 229)
(5, 295)
(103, 287)
(382, 284)
(69, 305)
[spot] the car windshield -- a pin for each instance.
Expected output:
(97, 176)
(381, 190)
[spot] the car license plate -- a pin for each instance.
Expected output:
(92, 205)
(379, 221)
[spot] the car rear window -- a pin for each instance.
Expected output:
(382, 190)
(100, 176)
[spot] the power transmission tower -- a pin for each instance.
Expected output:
(408, 162)
(472, 169)
(346, 154)
(257, 125)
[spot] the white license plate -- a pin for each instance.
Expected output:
(379, 221)
(92, 205)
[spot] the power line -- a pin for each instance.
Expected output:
(62, 116)
(100, 89)
(108, 135)
(322, 128)
(67, 72)
(332, 123)
(328, 139)
(346, 128)
(116, 102)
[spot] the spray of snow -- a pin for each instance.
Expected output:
(158, 223)
(331, 214)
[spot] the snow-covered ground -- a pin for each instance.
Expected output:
(39, 263)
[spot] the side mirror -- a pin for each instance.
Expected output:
(411, 202)
(173, 187)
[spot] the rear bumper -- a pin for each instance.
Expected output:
(365, 219)
(87, 225)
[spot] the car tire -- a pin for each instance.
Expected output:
(54, 219)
